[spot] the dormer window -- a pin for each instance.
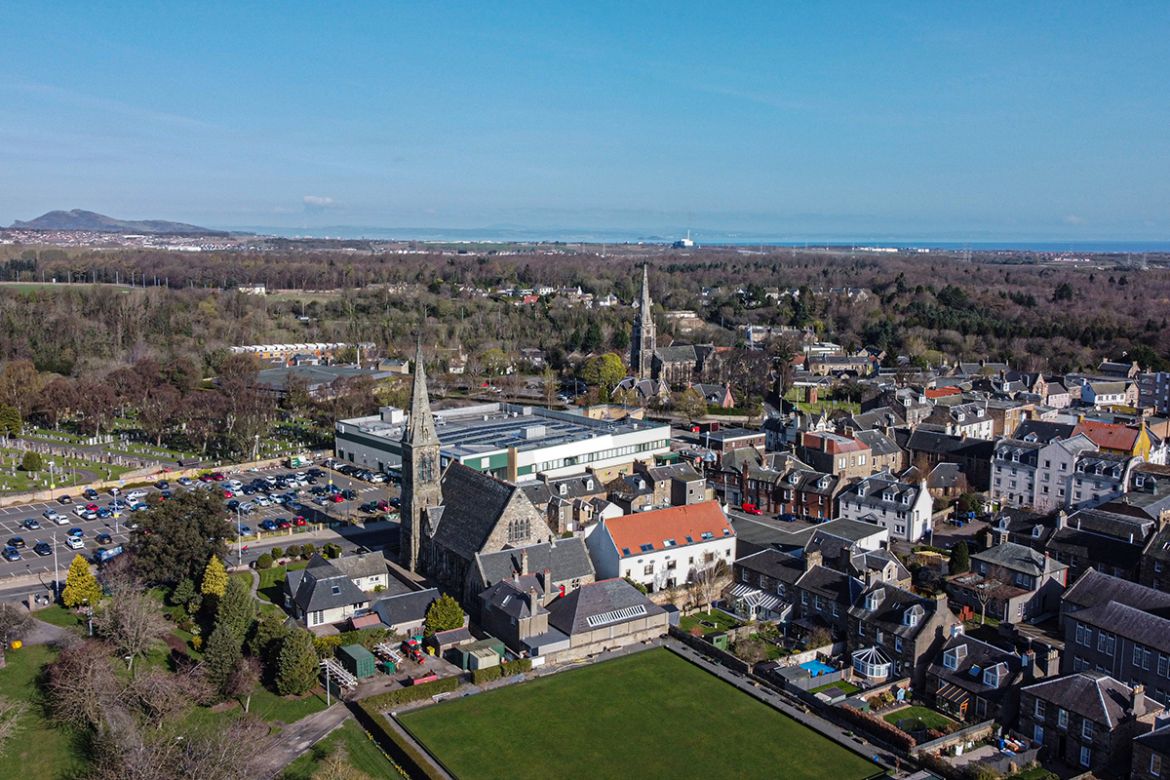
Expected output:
(952, 657)
(1015, 456)
(913, 616)
(873, 600)
(1036, 531)
(861, 488)
(906, 498)
(589, 484)
(992, 675)
(1001, 455)
(1100, 469)
(1080, 468)
(823, 483)
(1139, 481)
(563, 489)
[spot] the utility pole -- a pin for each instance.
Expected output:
(56, 570)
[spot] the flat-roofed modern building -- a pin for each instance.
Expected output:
(509, 441)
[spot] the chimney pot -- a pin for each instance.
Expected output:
(524, 561)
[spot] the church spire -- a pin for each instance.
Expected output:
(642, 343)
(421, 429)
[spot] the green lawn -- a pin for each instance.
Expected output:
(58, 615)
(272, 581)
(844, 686)
(360, 751)
(650, 714)
(916, 718)
(39, 750)
(711, 622)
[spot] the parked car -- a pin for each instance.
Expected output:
(31, 524)
(104, 512)
(136, 495)
(267, 525)
(349, 495)
(185, 481)
(378, 478)
(53, 516)
(17, 542)
(283, 524)
(245, 530)
(232, 504)
(75, 531)
(103, 538)
(43, 548)
(162, 484)
(75, 543)
(64, 500)
(11, 554)
(90, 494)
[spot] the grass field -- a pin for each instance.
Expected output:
(915, 718)
(651, 714)
(712, 622)
(39, 750)
(842, 685)
(360, 753)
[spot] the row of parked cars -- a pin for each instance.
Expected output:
(357, 472)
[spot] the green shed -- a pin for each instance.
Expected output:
(720, 640)
(466, 652)
(357, 660)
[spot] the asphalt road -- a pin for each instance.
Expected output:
(338, 516)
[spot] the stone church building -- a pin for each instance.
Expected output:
(450, 516)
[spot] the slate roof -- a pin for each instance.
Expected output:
(370, 564)
(1095, 548)
(512, 597)
(876, 487)
(473, 503)
(1042, 431)
(566, 559)
(322, 586)
(1095, 587)
(1027, 452)
(682, 353)
(681, 471)
(1113, 524)
(570, 615)
(1157, 740)
(832, 584)
(976, 656)
(921, 440)
(944, 476)
(878, 417)
(405, 607)
(878, 442)
(1092, 695)
(1142, 627)
(879, 559)
(782, 566)
(891, 610)
(1016, 557)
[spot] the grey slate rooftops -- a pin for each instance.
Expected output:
(878, 443)
(472, 505)
(681, 471)
(370, 564)
(405, 607)
(831, 584)
(1142, 627)
(1042, 431)
(971, 654)
(1015, 557)
(882, 490)
(600, 605)
(683, 353)
(566, 559)
(782, 566)
(886, 606)
(321, 586)
(1092, 695)
(513, 597)
(1157, 740)
(1094, 587)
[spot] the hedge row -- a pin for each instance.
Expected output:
(384, 701)
(503, 669)
(394, 745)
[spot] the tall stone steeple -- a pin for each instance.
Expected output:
(642, 342)
(420, 468)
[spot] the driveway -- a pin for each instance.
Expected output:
(297, 738)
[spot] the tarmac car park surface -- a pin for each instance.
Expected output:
(13, 517)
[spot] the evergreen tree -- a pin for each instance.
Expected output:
(296, 664)
(32, 461)
(266, 636)
(183, 593)
(81, 586)
(960, 559)
(223, 653)
(10, 422)
(177, 538)
(237, 609)
(443, 614)
(215, 578)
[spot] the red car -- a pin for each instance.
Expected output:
(337, 498)
(283, 524)
(299, 520)
(228, 494)
(91, 507)
(751, 509)
(217, 477)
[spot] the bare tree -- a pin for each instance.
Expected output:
(133, 622)
(707, 582)
(11, 711)
(14, 624)
(243, 681)
(80, 684)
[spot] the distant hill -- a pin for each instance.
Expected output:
(100, 223)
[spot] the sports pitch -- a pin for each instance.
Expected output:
(650, 714)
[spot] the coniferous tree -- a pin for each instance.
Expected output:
(296, 664)
(81, 587)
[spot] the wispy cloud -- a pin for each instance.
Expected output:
(111, 106)
(315, 204)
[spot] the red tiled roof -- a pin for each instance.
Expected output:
(682, 525)
(1108, 436)
(942, 392)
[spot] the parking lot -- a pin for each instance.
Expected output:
(333, 514)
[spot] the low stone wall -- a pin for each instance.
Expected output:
(828, 651)
(706, 648)
(969, 734)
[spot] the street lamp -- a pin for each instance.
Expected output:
(239, 537)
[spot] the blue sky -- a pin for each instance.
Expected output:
(930, 120)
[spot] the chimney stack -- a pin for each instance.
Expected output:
(533, 601)
(812, 558)
(546, 577)
(524, 560)
(1137, 704)
(1061, 519)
